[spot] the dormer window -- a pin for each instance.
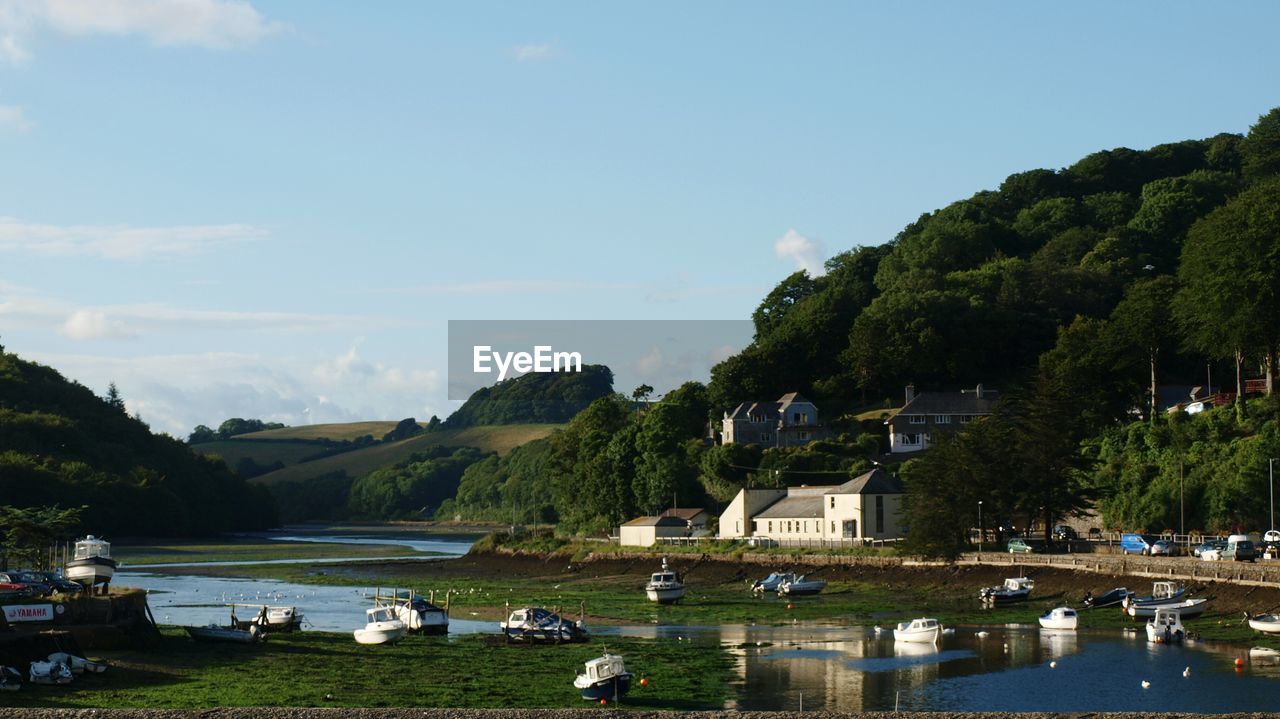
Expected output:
(942, 419)
(915, 419)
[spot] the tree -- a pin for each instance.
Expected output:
(1144, 319)
(642, 393)
(113, 397)
(1260, 149)
(201, 433)
(28, 533)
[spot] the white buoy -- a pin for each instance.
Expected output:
(1186, 672)
(1146, 684)
(1053, 665)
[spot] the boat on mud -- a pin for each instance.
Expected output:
(801, 587)
(420, 614)
(267, 618)
(217, 633)
(604, 677)
(1060, 618)
(1166, 627)
(1188, 608)
(772, 582)
(537, 624)
(1265, 623)
(924, 630)
(664, 587)
(1161, 593)
(1014, 589)
(1106, 599)
(381, 627)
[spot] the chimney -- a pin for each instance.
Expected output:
(911, 394)
(978, 391)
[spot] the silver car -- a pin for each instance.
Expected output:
(1164, 547)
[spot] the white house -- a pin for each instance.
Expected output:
(865, 507)
(645, 531)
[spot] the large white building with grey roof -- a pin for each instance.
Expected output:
(924, 417)
(792, 421)
(864, 508)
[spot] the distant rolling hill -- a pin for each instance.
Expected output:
(336, 432)
(494, 438)
(232, 451)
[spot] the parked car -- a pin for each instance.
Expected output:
(1208, 544)
(1063, 533)
(1164, 547)
(1018, 545)
(14, 591)
(1239, 549)
(60, 584)
(1134, 544)
(31, 580)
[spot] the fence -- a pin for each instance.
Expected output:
(786, 543)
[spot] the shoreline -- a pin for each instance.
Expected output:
(443, 713)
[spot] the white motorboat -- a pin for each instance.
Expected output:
(922, 630)
(1060, 618)
(275, 619)
(421, 616)
(382, 627)
(664, 587)
(235, 635)
(1014, 589)
(801, 587)
(92, 563)
(772, 582)
(1161, 593)
(1265, 623)
(604, 678)
(535, 624)
(1188, 608)
(1166, 627)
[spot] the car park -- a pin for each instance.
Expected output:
(1209, 544)
(1018, 545)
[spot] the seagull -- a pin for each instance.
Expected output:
(983, 634)
(1053, 665)
(1146, 684)
(1186, 672)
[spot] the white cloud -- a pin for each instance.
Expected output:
(650, 363)
(535, 52)
(120, 241)
(217, 24)
(348, 367)
(12, 117)
(806, 253)
(91, 325)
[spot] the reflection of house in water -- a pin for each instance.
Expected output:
(812, 661)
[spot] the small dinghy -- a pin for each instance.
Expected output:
(1107, 599)
(215, 633)
(605, 677)
(801, 587)
(1014, 589)
(772, 582)
(1189, 608)
(1166, 627)
(920, 631)
(49, 673)
(273, 619)
(10, 679)
(1060, 618)
(664, 587)
(535, 624)
(381, 627)
(1265, 623)
(79, 665)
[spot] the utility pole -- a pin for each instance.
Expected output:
(1271, 482)
(1182, 505)
(982, 533)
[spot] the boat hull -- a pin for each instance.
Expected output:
(222, 634)
(1187, 609)
(1159, 636)
(917, 636)
(801, 589)
(1268, 624)
(1064, 623)
(380, 635)
(665, 595)
(607, 689)
(91, 571)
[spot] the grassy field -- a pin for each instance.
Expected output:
(326, 669)
(264, 453)
(336, 432)
(249, 550)
(495, 438)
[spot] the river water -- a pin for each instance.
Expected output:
(824, 666)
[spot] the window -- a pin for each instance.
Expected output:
(770, 526)
(966, 418)
(915, 418)
(879, 514)
(803, 435)
(910, 438)
(942, 419)
(850, 528)
(833, 527)
(766, 437)
(833, 501)
(737, 527)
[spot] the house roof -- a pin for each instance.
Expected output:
(804, 507)
(769, 409)
(792, 397)
(877, 481)
(656, 522)
(685, 513)
(962, 402)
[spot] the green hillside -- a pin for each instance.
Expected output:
(62, 445)
(497, 438)
(336, 432)
(233, 451)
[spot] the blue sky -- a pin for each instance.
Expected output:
(271, 209)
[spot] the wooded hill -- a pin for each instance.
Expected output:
(62, 445)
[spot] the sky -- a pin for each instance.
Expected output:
(273, 208)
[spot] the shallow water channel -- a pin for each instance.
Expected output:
(825, 666)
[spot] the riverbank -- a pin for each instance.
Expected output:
(309, 669)
(333, 713)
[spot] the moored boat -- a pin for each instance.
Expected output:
(1014, 589)
(1166, 627)
(422, 616)
(801, 587)
(92, 563)
(381, 627)
(664, 587)
(923, 630)
(1188, 608)
(772, 582)
(535, 624)
(1060, 618)
(604, 677)
(275, 619)
(1107, 599)
(216, 633)
(1161, 593)
(1265, 623)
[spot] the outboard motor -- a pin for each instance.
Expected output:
(10, 679)
(1088, 599)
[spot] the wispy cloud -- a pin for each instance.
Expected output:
(510, 287)
(94, 325)
(12, 117)
(806, 253)
(120, 241)
(217, 24)
(535, 52)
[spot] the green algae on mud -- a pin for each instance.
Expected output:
(251, 549)
(330, 669)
